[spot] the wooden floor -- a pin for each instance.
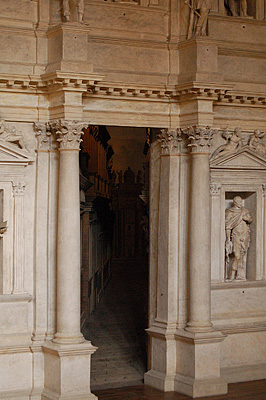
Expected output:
(248, 390)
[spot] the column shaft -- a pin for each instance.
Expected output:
(200, 244)
(68, 248)
(200, 231)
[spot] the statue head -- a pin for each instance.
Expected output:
(237, 131)
(237, 201)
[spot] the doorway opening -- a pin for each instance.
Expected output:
(114, 169)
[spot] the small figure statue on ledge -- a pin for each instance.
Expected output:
(255, 142)
(237, 221)
(199, 11)
(234, 142)
(242, 8)
(66, 9)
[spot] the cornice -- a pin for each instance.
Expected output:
(93, 84)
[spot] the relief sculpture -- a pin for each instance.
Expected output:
(237, 228)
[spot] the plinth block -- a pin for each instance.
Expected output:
(198, 364)
(67, 371)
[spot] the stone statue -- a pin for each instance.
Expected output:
(255, 142)
(129, 176)
(234, 141)
(66, 9)
(11, 135)
(237, 220)
(199, 11)
(242, 8)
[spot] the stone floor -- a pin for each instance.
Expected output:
(239, 391)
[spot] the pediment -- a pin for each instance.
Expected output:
(245, 158)
(10, 154)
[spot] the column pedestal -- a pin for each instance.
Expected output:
(198, 364)
(67, 371)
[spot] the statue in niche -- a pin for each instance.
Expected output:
(234, 142)
(237, 221)
(255, 142)
(66, 9)
(199, 11)
(231, 5)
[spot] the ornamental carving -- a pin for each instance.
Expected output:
(80, 10)
(236, 141)
(11, 135)
(199, 139)
(18, 188)
(170, 141)
(68, 133)
(215, 189)
(43, 135)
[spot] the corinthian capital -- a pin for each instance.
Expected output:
(170, 141)
(68, 133)
(43, 135)
(199, 139)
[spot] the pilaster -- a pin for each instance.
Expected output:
(162, 372)
(19, 246)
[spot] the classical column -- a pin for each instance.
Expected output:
(68, 246)
(19, 250)
(67, 357)
(200, 231)
(198, 373)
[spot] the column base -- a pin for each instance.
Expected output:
(67, 371)
(163, 356)
(159, 380)
(200, 388)
(198, 364)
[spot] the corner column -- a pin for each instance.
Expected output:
(198, 346)
(163, 327)
(67, 357)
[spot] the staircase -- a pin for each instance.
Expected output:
(117, 328)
